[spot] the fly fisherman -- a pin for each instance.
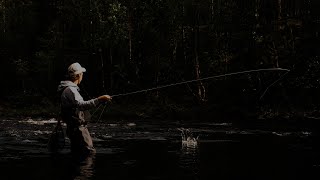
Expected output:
(74, 110)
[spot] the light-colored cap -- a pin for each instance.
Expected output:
(76, 68)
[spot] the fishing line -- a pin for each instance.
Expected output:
(104, 107)
(96, 110)
(201, 79)
(281, 77)
(84, 90)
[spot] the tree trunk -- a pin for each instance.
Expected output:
(279, 29)
(102, 70)
(184, 41)
(110, 70)
(130, 29)
(276, 55)
(4, 15)
(174, 50)
(279, 9)
(201, 92)
(212, 11)
(184, 36)
(157, 73)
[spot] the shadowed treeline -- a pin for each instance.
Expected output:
(132, 45)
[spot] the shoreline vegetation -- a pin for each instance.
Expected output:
(259, 116)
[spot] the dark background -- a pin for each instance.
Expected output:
(133, 45)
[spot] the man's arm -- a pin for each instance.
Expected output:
(80, 103)
(86, 105)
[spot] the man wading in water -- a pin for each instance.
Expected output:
(74, 110)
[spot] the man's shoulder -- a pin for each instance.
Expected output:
(73, 89)
(70, 89)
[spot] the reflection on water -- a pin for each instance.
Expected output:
(189, 159)
(68, 166)
(189, 155)
(84, 169)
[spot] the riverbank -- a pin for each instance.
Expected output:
(259, 118)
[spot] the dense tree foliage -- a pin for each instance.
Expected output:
(132, 45)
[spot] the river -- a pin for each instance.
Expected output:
(155, 150)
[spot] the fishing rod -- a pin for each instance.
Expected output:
(202, 79)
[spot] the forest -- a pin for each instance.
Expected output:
(128, 46)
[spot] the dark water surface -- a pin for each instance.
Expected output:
(149, 150)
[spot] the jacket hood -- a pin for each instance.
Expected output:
(65, 84)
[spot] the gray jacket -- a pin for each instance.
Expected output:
(73, 107)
